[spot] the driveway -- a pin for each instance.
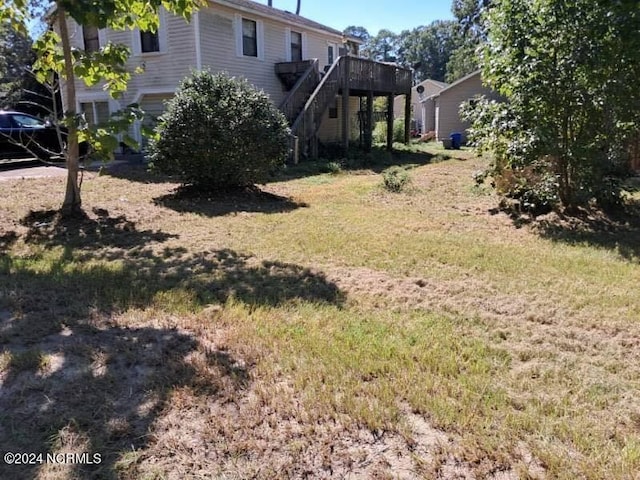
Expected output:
(12, 169)
(30, 168)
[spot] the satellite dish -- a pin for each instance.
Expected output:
(420, 89)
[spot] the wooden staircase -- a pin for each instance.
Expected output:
(305, 104)
(302, 89)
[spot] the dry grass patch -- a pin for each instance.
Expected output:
(319, 327)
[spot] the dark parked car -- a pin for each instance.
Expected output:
(23, 135)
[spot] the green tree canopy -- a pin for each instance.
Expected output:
(383, 47)
(568, 70)
(360, 33)
(470, 33)
(427, 49)
(16, 57)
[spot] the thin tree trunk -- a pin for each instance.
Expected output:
(72, 202)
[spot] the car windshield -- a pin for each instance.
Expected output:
(28, 121)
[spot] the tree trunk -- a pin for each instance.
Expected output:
(72, 202)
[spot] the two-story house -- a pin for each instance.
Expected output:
(309, 70)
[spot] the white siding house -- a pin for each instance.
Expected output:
(442, 109)
(271, 48)
(212, 40)
(424, 89)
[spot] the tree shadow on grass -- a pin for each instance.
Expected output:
(618, 231)
(98, 391)
(250, 199)
(107, 264)
(376, 161)
(135, 172)
(46, 227)
(75, 379)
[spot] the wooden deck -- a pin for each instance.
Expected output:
(380, 78)
(347, 77)
(361, 74)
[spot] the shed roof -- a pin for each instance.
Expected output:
(453, 85)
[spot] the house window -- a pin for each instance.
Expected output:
(95, 112)
(296, 47)
(330, 54)
(91, 38)
(249, 38)
(149, 42)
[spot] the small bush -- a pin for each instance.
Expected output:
(440, 157)
(219, 132)
(398, 130)
(395, 179)
(534, 191)
(334, 168)
(380, 131)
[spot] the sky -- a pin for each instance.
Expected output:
(374, 15)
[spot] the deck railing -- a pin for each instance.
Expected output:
(299, 94)
(367, 74)
(346, 72)
(308, 122)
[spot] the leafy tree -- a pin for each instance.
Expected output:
(568, 71)
(18, 86)
(470, 33)
(469, 15)
(361, 34)
(15, 58)
(220, 132)
(56, 58)
(383, 47)
(427, 49)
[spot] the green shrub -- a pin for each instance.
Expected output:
(395, 179)
(398, 130)
(380, 131)
(219, 132)
(333, 168)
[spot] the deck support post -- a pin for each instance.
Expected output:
(390, 122)
(345, 106)
(407, 117)
(368, 127)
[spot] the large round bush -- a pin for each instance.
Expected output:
(219, 132)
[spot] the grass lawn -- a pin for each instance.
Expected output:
(319, 328)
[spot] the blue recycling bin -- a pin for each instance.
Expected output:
(456, 140)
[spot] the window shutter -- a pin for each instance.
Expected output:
(135, 41)
(162, 31)
(287, 44)
(102, 37)
(305, 53)
(238, 32)
(260, 38)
